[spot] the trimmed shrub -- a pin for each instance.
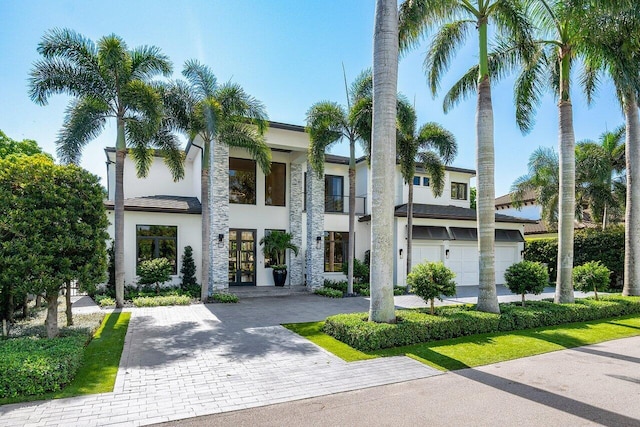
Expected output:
(417, 326)
(328, 292)
(104, 300)
(430, 280)
(162, 300)
(589, 245)
(224, 298)
(360, 271)
(338, 285)
(591, 276)
(155, 272)
(527, 277)
(31, 366)
(188, 271)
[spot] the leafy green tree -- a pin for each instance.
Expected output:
(329, 123)
(431, 280)
(527, 277)
(188, 272)
(26, 147)
(432, 147)
(591, 276)
(155, 271)
(53, 229)
(599, 167)
(215, 113)
(106, 80)
(454, 20)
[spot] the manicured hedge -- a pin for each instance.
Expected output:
(162, 300)
(38, 365)
(589, 245)
(416, 326)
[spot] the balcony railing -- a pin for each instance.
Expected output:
(340, 204)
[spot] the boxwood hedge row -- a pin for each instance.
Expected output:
(39, 365)
(417, 326)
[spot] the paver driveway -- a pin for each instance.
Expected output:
(181, 362)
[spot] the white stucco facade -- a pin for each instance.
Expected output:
(158, 200)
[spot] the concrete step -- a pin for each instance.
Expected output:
(266, 291)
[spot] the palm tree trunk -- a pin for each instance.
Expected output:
(409, 227)
(352, 214)
(383, 156)
(121, 151)
(567, 200)
(485, 201)
(632, 211)
(206, 224)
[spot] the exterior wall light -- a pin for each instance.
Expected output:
(446, 253)
(401, 253)
(220, 240)
(318, 242)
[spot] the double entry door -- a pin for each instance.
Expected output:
(242, 257)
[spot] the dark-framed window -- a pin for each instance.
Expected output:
(336, 244)
(275, 185)
(416, 180)
(333, 193)
(157, 241)
(242, 181)
(425, 181)
(458, 191)
(267, 260)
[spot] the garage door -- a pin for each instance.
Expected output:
(421, 252)
(505, 256)
(463, 261)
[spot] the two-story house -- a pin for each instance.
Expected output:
(163, 216)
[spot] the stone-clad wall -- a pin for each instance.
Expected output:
(219, 198)
(315, 228)
(296, 203)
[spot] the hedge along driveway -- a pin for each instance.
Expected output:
(483, 349)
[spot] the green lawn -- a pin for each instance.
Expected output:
(99, 364)
(477, 350)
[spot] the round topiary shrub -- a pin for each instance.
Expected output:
(591, 276)
(527, 277)
(431, 280)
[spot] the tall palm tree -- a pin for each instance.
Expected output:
(218, 114)
(383, 154)
(561, 43)
(614, 37)
(598, 170)
(457, 18)
(432, 147)
(106, 80)
(329, 123)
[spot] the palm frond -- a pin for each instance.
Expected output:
(529, 88)
(434, 136)
(168, 145)
(362, 86)
(360, 119)
(237, 104)
(416, 17)
(443, 49)
(201, 78)
(326, 124)
(243, 135)
(142, 99)
(148, 62)
(84, 120)
(114, 59)
(433, 166)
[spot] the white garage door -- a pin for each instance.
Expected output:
(505, 256)
(463, 261)
(421, 252)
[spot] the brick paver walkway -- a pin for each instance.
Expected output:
(181, 362)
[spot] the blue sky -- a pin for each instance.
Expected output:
(287, 53)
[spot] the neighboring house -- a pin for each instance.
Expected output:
(530, 209)
(163, 216)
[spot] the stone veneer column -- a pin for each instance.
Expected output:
(296, 263)
(219, 214)
(315, 228)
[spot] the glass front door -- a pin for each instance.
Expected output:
(242, 257)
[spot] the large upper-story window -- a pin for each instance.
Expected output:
(157, 241)
(242, 181)
(335, 250)
(275, 185)
(458, 191)
(333, 193)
